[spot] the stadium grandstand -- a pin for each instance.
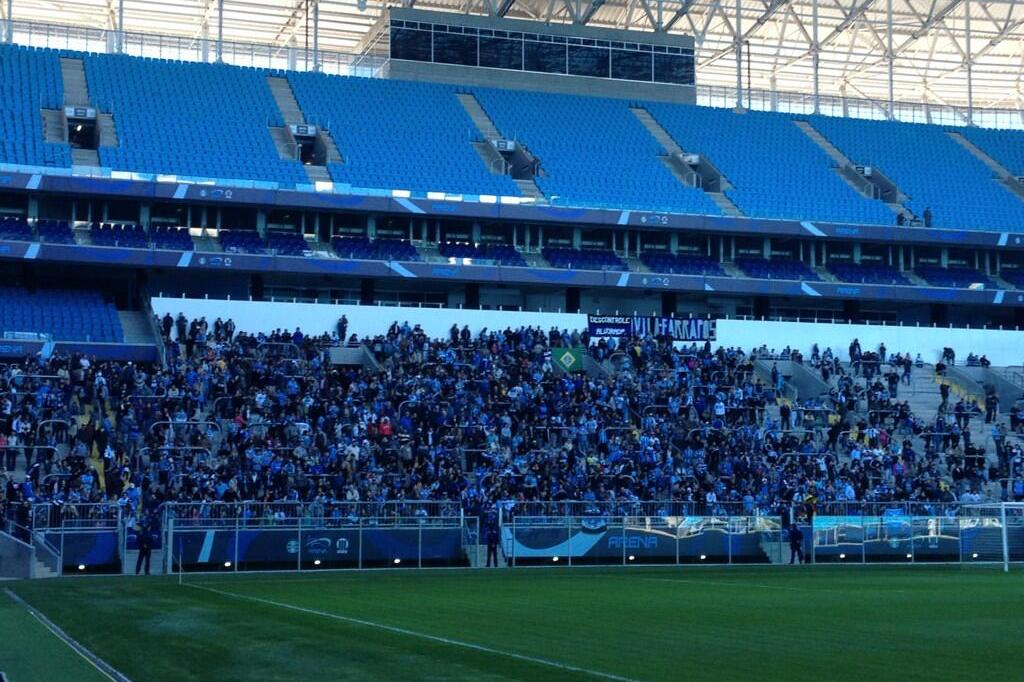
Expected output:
(680, 291)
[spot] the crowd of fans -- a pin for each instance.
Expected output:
(475, 419)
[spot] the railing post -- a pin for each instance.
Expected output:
(1006, 544)
(360, 542)
(234, 564)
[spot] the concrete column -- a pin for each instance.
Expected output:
(220, 30)
(120, 26)
(815, 53)
(673, 244)
(9, 37)
(969, 60)
(261, 223)
(316, 35)
(145, 211)
(739, 55)
(577, 237)
(856, 253)
(944, 257)
(767, 250)
(476, 232)
(890, 57)
(371, 226)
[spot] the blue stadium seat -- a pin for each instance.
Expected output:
(202, 120)
(67, 315)
(398, 135)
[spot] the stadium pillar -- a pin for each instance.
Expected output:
(572, 300)
(968, 61)
(762, 307)
(890, 57)
(851, 309)
(120, 26)
(739, 56)
(815, 49)
(220, 30)
(366, 291)
(9, 37)
(669, 301)
(316, 35)
(256, 287)
(939, 314)
(472, 296)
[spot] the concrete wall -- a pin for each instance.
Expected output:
(317, 318)
(1001, 347)
(454, 74)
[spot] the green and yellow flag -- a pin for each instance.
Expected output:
(569, 359)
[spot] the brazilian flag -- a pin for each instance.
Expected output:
(569, 359)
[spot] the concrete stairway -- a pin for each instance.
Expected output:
(725, 204)
(107, 130)
(823, 272)
(1005, 176)
(41, 570)
(732, 270)
(283, 139)
(820, 140)
(136, 327)
(54, 127)
(528, 188)
(281, 89)
(656, 130)
(491, 157)
(915, 279)
(76, 91)
(845, 168)
(84, 157)
(669, 144)
(76, 94)
(284, 143)
(317, 174)
(479, 117)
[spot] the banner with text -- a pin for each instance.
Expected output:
(678, 329)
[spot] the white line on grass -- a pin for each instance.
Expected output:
(760, 586)
(726, 583)
(414, 633)
(95, 661)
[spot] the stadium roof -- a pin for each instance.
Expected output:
(937, 47)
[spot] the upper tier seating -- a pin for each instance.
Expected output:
(55, 232)
(174, 238)
(606, 158)
(362, 248)
(501, 254)
(72, 315)
(1005, 146)
(775, 169)
(287, 243)
(865, 273)
(1014, 276)
(931, 169)
(203, 120)
(398, 135)
(583, 259)
(955, 278)
(777, 268)
(681, 264)
(241, 241)
(211, 120)
(30, 80)
(130, 236)
(15, 228)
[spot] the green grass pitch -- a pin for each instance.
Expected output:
(821, 623)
